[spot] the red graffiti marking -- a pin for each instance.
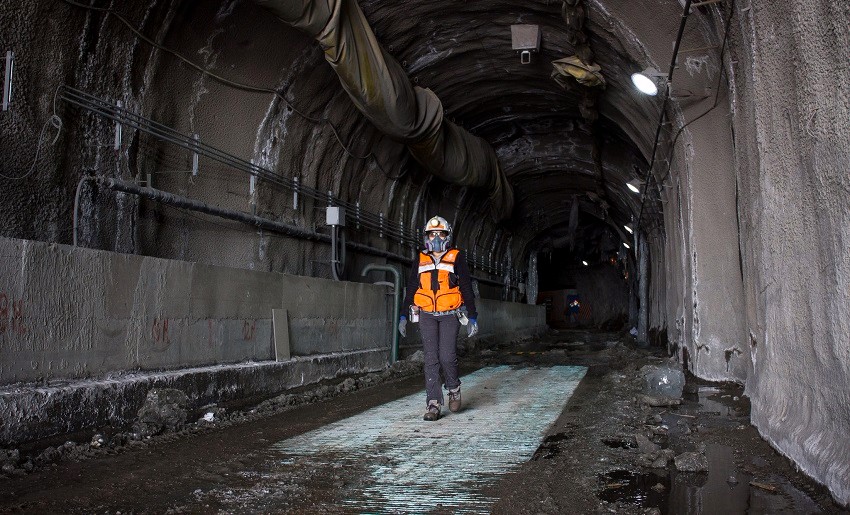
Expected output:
(18, 318)
(15, 322)
(212, 333)
(4, 313)
(248, 329)
(160, 331)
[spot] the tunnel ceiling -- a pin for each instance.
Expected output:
(559, 144)
(552, 152)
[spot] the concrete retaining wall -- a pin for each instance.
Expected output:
(497, 321)
(84, 334)
(69, 313)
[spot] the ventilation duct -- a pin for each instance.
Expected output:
(380, 89)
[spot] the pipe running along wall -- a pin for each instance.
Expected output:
(252, 220)
(380, 89)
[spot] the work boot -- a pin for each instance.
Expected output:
(433, 412)
(454, 400)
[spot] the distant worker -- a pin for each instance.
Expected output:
(439, 295)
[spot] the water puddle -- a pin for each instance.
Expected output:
(634, 489)
(723, 489)
(551, 446)
(615, 443)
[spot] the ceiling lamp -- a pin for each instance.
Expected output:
(635, 185)
(626, 245)
(584, 263)
(645, 81)
(630, 228)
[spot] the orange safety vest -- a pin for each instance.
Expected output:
(447, 296)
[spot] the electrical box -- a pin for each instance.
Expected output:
(335, 216)
(525, 39)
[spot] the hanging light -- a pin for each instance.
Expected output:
(645, 81)
(626, 245)
(629, 227)
(584, 263)
(635, 185)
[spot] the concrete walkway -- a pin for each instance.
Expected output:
(388, 459)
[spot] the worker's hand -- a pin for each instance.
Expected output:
(402, 326)
(472, 327)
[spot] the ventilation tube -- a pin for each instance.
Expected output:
(379, 87)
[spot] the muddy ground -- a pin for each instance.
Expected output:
(608, 452)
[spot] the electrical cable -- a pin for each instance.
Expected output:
(649, 175)
(391, 229)
(164, 133)
(56, 122)
(232, 83)
(716, 94)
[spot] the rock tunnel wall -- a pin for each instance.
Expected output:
(314, 134)
(792, 106)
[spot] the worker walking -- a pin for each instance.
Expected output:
(439, 295)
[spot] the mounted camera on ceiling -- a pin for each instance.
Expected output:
(526, 40)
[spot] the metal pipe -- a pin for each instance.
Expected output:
(255, 221)
(7, 85)
(707, 2)
(77, 207)
(169, 135)
(337, 252)
(396, 301)
(491, 282)
(385, 227)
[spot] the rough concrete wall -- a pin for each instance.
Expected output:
(717, 342)
(498, 321)
(316, 135)
(501, 318)
(680, 312)
(658, 288)
(792, 98)
(69, 312)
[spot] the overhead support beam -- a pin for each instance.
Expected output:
(379, 87)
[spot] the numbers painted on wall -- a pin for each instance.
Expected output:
(12, 316)
(249, 328)
(159, 331)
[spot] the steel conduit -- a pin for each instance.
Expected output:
(396, 302)
(238, 216)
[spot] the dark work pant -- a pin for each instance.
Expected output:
(439, 343)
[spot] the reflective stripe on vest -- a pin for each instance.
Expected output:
(436, 293)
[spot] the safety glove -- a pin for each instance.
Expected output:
(472, 327)
(462, 315)
(402, 326)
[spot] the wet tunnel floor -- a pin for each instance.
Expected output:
(387, 459)
(550, 425)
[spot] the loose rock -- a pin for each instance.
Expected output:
(164, 410)
(691, 462)
(644, 445)
(658, 402)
